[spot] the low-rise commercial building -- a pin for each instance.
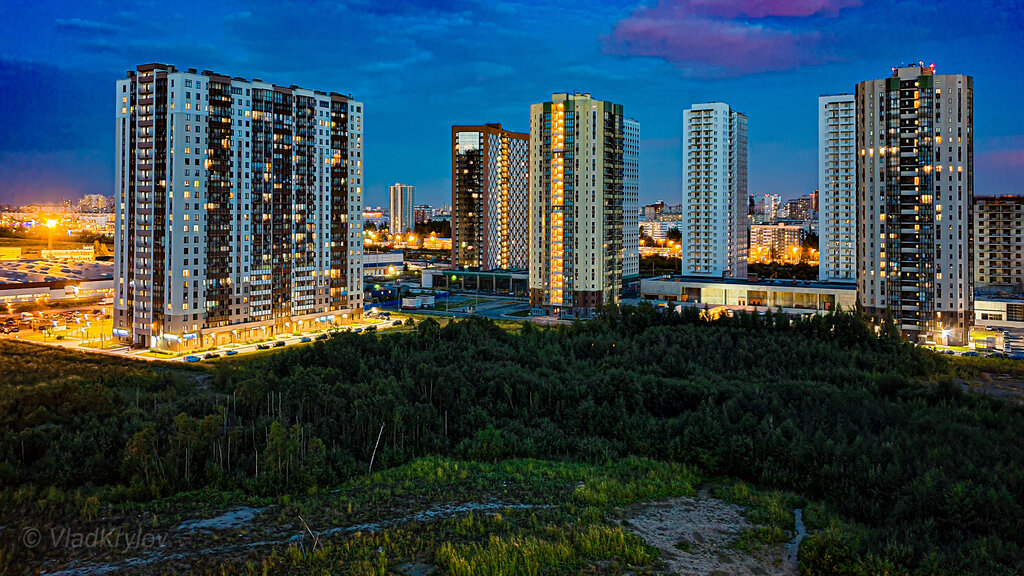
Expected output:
(791, 296)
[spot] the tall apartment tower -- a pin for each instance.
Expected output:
(999, 243)
(631, 199)
(915, 189)
(714, 225)
(576, 204)
(403, 205)
(238, 208)
(837, 216)
(490, 193)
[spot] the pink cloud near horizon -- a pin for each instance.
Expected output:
(1013, 158)
(766, 8)
(707, 38)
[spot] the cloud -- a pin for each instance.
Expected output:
(81, 25)
(727, 38)
(766, 8)
(489, 70)
(398, 65)
(1002, 158)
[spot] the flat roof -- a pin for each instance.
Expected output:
(766, 282)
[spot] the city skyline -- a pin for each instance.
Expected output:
(656, 60)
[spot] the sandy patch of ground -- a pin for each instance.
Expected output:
(699, 536)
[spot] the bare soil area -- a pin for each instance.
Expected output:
(700, 535)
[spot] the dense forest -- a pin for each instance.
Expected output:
(917, 476)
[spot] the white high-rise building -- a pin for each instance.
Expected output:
(403, 204)
(631, 198)
(238, 208)
(714, 224)
(915, 189)
(576, 204)
(837, 193)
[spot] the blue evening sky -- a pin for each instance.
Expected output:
(422, 66)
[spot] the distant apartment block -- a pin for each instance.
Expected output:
(490, 197)
(714, 223)
(837, 216)
(238, 208)
(775, 242)
(999, 243)
(915, 189)
(403, 202)
(656, 229)
(422, 213)
(95, 204)
(770, 206)
(576, 204)
(800, 208)
(652, 211)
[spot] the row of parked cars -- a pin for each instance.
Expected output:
(282, 343)
(973, 354)
(10, 326)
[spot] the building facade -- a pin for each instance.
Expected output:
(631, 198)
(403, 202)
(576, 204)
(656, 229)
(490, 194)
(238, 208)
(776, 242)
(837, 217)
(95, 204)
(422, 213)
(915, 188)
(770, 206)
(999, 243)
(714, 222)
(800, 208)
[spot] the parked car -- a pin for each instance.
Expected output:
(396, 323)
(97, 312)
(306, 339)
(358, 330)
(279, 344)
(211, 355)
(971, 354)
(370, 329)
(1015, 356)
(263, 346)
(192, 358)
(322, 337)
(231, 352)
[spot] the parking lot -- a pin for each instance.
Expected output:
(89, 329)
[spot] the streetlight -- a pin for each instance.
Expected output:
(50, 224)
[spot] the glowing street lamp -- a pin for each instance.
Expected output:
(50, 224)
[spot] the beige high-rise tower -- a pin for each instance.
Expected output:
(576, 204)
(915, 184)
